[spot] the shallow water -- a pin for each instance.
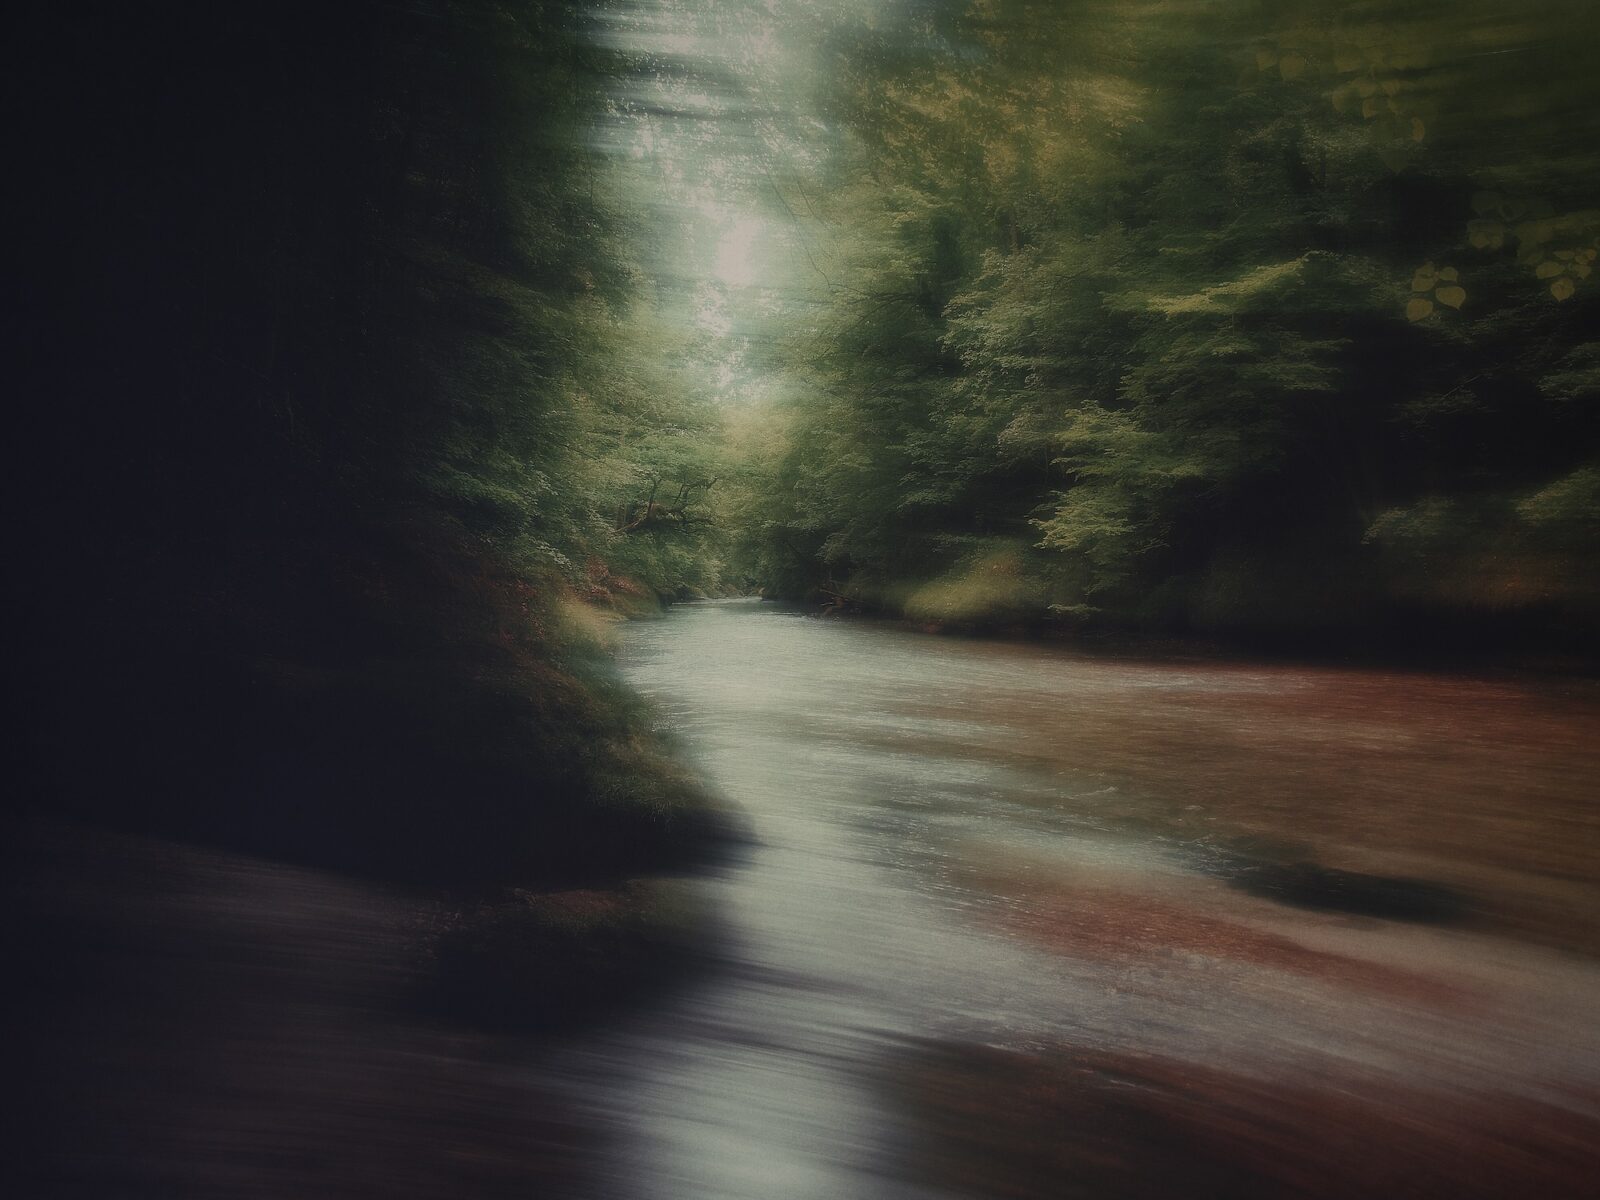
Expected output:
(967, 844)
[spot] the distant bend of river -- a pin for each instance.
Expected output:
(1022, 921)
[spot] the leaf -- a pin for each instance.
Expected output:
(1369, 108)
(1449, 274)
(1486, 235)
(1581, 270)
(1418, 129)
(1417, 308)
(1563, 288)
(1265, 58)
(1452, 295)
(1365, 87)
(1391, 86)
(1548, 269)
(1566, 255)
(1347, 58)
(1291, 66)
(1343, 99)
(1424, 279)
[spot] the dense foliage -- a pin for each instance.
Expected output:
(1219, 316)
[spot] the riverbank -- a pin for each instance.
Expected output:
(1419, 641)
(195, 1022)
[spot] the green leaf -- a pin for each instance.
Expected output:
(1563, 288)
(1424, 279)
(1449, 274)
(1417, 308)
(1486, 235)
(1347, 58)
(1292, 66)
(1452, 296)
(1548, 270)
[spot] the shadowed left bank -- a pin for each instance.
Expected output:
(321, 787)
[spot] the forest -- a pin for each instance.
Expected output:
(1168, 316)
(376, 363)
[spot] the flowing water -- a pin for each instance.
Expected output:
(974, 860)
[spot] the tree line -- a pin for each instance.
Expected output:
(1218, 317)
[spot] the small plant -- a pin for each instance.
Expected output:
(1434, 285)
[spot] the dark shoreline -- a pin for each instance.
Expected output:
(197, 1022)
(1452, 648)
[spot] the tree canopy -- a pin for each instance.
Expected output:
(1194, 315)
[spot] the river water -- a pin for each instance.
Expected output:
(1000, 891)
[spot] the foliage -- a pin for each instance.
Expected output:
(1193, 298)
(332, 400)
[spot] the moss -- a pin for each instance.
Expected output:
(985, 589)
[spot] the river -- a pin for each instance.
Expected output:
(1023, 921)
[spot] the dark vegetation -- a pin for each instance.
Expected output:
(320, 426)
(1272, 322)
(303, 470)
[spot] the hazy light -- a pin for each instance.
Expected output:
(735, 263)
